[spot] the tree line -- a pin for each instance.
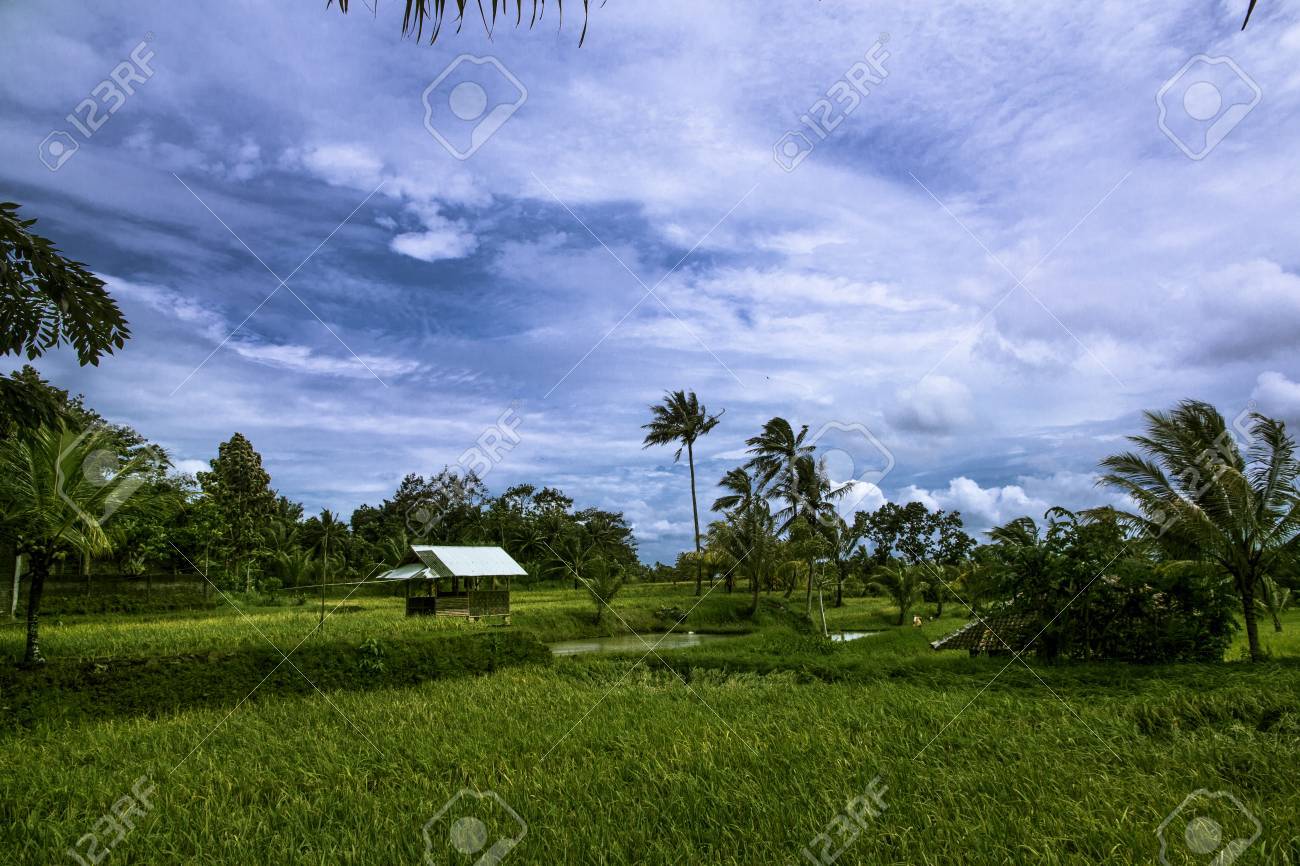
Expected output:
(1214, 525)
(84, 494)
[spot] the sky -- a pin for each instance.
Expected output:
(966, 244)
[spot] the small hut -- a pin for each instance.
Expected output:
(456, 580)
(992, 634)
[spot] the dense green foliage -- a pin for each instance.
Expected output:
(46, 300)
(126, 687)
(1095, 593)
(240, 492)
(1202, 495)
(85, 496)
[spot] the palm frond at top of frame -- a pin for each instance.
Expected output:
(420, 14)
(1249, 10)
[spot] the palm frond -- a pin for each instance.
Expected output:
(432, 13)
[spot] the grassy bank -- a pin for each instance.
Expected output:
(547, 615)
(739, 751)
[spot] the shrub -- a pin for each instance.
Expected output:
(1138, 612)
(670, 616)
(603, 580)
(372, 657)
(66, 690)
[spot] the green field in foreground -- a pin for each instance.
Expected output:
(737, 751)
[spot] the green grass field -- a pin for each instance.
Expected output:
(740, 751)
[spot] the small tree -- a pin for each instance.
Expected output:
(845, 540)
(903, 584)
(810, 546)
(603, 581)
(57, 489)
(241, 491)
(745, 544)
(330, 532)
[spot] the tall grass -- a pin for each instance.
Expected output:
(746, 761)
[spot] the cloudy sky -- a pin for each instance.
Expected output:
(964, 244)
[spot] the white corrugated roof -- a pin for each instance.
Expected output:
(406, 572)
(462, 561)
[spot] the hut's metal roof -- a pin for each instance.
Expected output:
(994, 632)
(467, 561)
(413, 571)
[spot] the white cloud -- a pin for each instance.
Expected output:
(192, 467)
(435, 244)
(213, 327)
(344, 165)
(1277, 396)
(361, 168)
(829, 291)
(981, 507)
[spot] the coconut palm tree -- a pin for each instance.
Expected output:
(776, 453)
(809, 543)
(813, 498)
(58, 488)
(844, 539)
(681, 418)
(433, 12)
(784, 465)
(1201, 498)
(395, 548)
(746, 543)
(332, 532)
(603, 580)
(741, 489)
(294, 567)
(904, 584)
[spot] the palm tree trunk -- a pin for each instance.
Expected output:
(324, 574)
(808, 594)
(1247, 587)
(40, 568)
(13, 599)
(695, 512)
(840, 568)
(753, 589)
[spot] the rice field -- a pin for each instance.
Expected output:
(772, 747)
